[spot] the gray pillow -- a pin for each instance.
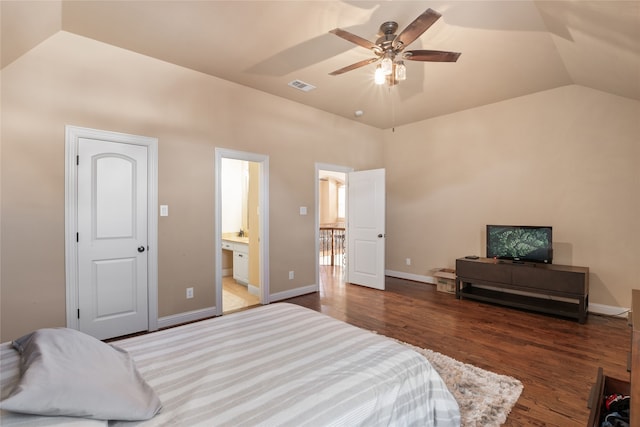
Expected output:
(66, 372)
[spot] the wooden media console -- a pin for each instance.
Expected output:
(547, 288)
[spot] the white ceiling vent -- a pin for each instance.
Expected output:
(300, 85)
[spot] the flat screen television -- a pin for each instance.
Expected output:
(523, 243)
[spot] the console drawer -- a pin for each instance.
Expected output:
(563, 282)
(493, 272)
(603, 386)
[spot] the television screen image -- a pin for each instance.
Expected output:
(520, 243)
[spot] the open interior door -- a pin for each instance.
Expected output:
(366, 228)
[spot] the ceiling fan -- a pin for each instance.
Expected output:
(389, 48)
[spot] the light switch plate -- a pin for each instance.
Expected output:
(164, 210)
(303, 210)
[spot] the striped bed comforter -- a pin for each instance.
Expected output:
(279, 365)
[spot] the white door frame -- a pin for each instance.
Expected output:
(332, 168)
(263, 203)
(72, 137)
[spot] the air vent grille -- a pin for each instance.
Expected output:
(300, 85)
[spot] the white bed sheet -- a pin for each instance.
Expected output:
(276, 365)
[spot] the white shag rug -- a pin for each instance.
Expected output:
(485, 398)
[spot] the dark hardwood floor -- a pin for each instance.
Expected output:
(556, 359)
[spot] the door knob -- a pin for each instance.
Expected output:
(140, 249)
(380, 236)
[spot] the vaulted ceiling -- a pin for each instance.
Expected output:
(509, 48)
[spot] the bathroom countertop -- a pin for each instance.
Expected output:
(233, 237)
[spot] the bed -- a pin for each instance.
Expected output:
(276, 365)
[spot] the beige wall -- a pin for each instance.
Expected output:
(567, 157)
(73, 80)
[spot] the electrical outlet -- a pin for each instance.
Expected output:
(291, 275)
(408, 261)
(189, 293)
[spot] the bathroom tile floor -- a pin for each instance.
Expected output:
(236, 296)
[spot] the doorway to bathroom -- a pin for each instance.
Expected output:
(241, 230)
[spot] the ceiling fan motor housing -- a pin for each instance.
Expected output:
(389, 27)
(388, 35)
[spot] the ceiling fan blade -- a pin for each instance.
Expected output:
(354, 66)
(416, 28)
(431, 55)
(355, 39)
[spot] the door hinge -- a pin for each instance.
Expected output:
(78, 313)
(77, 160)
(77, 237)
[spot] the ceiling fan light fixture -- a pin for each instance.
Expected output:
(387, 63)
(379, 77)
(401, 71)
(389, 46)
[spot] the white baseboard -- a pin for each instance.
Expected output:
(279, 296)
(189, 316)
(253, 290)
(608, 310)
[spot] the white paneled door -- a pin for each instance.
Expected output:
(112, 241)
(366, 228)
